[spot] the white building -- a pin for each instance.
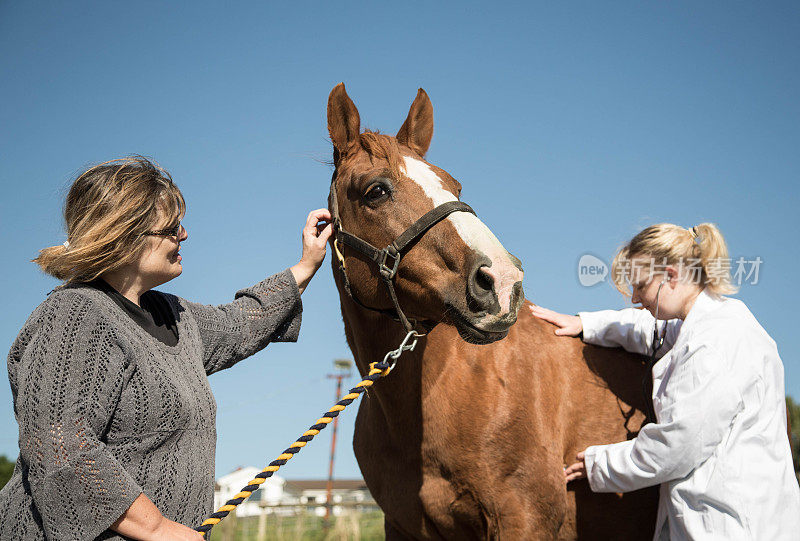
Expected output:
(277, 495)
(271, 493)
(347, 493)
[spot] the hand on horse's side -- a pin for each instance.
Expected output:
(317, 231)
(577, 470)
(567, 325)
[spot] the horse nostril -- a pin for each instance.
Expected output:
(480, 290)
(484, 280)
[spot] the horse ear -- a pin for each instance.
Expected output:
(344, 124)
(417, 131)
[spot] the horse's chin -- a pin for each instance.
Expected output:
(472, 334)
(477, 336)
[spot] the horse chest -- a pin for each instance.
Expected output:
(456, 511)
(401, 473)
(491, 509)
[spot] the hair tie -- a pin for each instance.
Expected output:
(66, 244)
(693, 232)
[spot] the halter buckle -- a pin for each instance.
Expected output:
(339, 254)
(388, 272)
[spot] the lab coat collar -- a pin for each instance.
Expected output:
(705, 303)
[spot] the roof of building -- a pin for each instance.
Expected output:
(322, 484)
(240, 475)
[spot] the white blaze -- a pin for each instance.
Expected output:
(473, 231)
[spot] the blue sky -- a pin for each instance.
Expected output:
(570, 125)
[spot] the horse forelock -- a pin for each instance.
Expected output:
(381, 146)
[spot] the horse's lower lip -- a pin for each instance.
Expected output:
(470, 333)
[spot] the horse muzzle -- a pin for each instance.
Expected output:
(482, 321)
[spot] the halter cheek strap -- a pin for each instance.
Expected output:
(388, 258)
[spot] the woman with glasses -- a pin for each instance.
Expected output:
(109, 376)
(717, 445)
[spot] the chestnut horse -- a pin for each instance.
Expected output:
(468, 436)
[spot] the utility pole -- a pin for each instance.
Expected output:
(343, 371)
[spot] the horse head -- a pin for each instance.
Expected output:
(457, 271)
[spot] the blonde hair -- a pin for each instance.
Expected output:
(700, 251)
(107, 211)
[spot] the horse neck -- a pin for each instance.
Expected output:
(370, 336)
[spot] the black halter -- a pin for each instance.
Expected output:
(387, 259)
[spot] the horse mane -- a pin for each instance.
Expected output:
(379, 145)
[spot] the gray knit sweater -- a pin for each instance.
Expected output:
(106, 411)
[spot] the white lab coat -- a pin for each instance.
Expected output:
(719, 449)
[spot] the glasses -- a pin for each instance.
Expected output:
(173, 231)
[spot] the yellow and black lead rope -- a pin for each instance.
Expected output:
(376, 370)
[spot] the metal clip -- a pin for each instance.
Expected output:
(404, 346)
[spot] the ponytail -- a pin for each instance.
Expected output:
(714, 259)
(51, 261)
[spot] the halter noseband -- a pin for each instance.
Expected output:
(387, 259)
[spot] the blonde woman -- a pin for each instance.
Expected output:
(718, 445)
(109, 377)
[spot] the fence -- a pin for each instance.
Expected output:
(302, 522)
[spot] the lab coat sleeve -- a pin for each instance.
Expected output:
(704, 401)
(631, 329)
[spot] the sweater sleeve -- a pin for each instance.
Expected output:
(631, 329)
(67, 381)
(270, 311)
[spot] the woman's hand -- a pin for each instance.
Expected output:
(577, 470)
(567, 325)
(316, 233)
(143, 521)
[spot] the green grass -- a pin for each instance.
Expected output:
(367, 526)
(6, 469)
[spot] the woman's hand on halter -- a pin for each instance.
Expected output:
(567, 325)
(316, 233)
(577, 470)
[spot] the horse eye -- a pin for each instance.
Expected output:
(375, 193)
